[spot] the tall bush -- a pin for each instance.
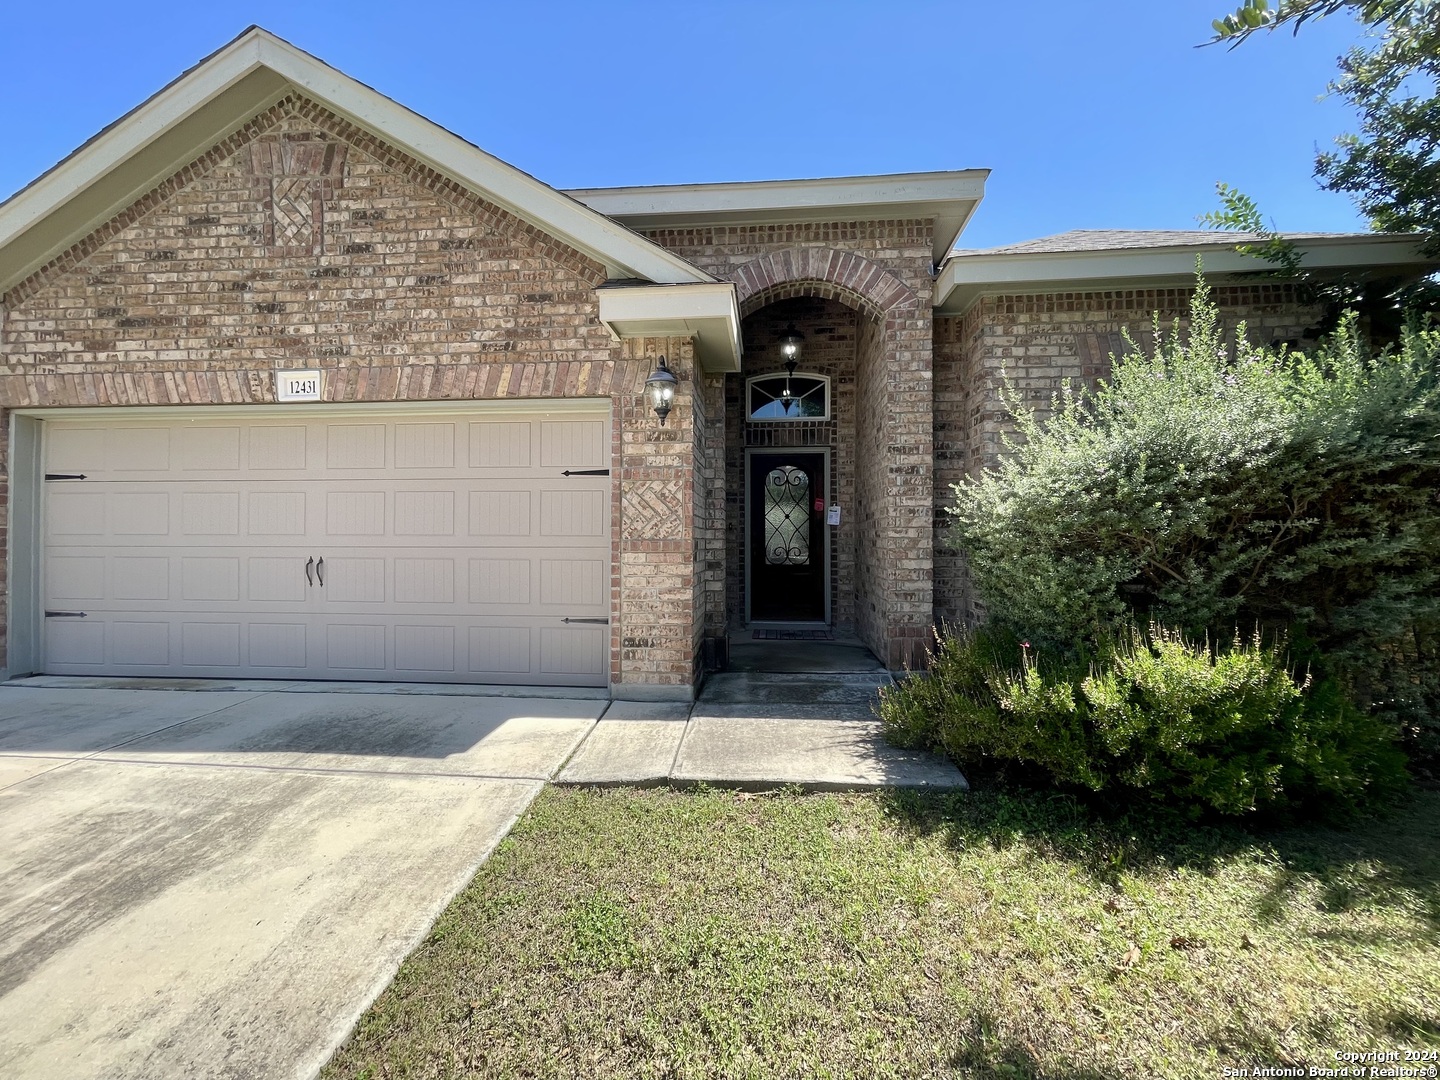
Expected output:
(1213, 483)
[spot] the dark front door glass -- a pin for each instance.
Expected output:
(787, 539)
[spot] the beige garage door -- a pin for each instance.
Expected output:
(444, 549)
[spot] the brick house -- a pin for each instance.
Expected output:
(297, 384)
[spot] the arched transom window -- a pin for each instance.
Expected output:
(788, 397)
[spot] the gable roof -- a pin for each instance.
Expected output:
(204, 104)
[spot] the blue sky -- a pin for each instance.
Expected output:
(1090, 114)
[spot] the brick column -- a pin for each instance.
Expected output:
(654, 611)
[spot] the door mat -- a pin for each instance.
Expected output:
(793, 635)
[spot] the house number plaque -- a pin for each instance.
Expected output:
(298, 385)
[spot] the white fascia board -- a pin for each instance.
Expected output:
(948, 197)
(710, 313)
(964, 279)
(622, 252)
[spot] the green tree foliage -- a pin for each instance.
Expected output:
(1392, 167)
(1212, 484)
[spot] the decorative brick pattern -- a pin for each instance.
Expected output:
(407, 288)
(653, 509)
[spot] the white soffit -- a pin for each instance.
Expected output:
(708, 313)
(963, 279)
(212, 99)
(950, 198)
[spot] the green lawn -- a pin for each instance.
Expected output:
(659, 934)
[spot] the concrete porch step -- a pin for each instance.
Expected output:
(764, 689)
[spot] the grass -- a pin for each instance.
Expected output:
(649, 933)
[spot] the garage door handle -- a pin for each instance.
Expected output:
(320, 571)
(309, 566)
(599, 622)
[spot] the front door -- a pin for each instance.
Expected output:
(787, 536)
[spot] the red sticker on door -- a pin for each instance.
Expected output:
(819, 506)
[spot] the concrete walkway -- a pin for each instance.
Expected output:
(758, 730)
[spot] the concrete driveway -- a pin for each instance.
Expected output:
(216, 883)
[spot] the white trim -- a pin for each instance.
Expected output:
(24, 551)
(750, 418)
(709, 313)
(228, 78)
(950, 198)
(965, 278)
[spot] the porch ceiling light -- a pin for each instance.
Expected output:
(791, 342)
(660, 386)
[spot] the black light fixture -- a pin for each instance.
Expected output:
(661, 388)
(791, 342)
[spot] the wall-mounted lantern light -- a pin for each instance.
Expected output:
(661, 388)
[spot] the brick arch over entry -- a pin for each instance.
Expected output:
(835, 275)
(892, 496)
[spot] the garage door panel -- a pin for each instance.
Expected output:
(574, 444)
(278, 448)
(210, 645)
(573, 650)
(70, 643)
(143, 643)
(77, 577)
(500, 513)
(278, 645)
(452, 549)
(272, 579)
(500, 582)
(210, 513)
(354, 513)
(425, 649)
(352, 580)
(425, 513)
(276, 513)
(72, 513)
(425, 446)
(210, 578)
(210, 449)
(140, 577)
(138, 449)
(424, 581)
(351, 448)
(500, 445)
(498, 651)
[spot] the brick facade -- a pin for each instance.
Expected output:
(1041, 343)
(303, 241)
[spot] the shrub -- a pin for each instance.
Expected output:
(1153, 714)
(1210, 484)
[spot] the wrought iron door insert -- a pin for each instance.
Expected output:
(786, 550)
